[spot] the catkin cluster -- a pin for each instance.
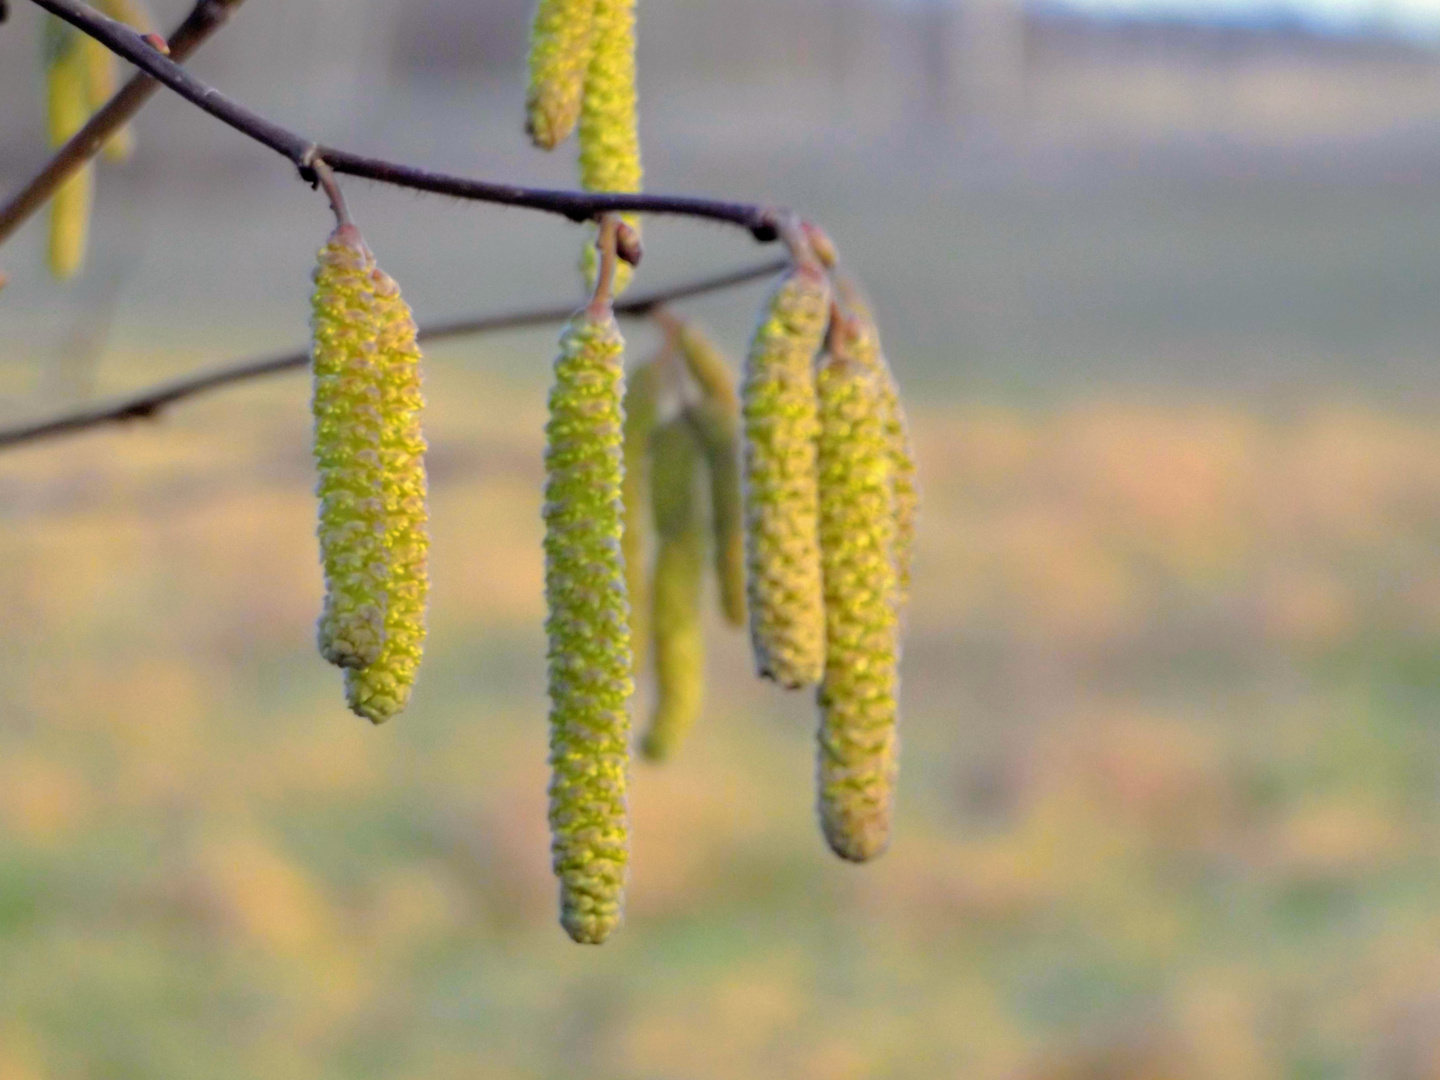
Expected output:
(369, 453)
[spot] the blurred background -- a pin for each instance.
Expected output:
(1159, 279)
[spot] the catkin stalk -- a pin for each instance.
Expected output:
(679, 565)
(857, 697)
(382, 690)
(67, 109)
(560, 38)
(609, 125)
(642, 392)
(348, 430)
(782, 549)
(589, 649)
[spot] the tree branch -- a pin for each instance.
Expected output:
(206, 17)
(302, 152)
(146, 404)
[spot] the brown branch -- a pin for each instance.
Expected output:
(146, 404)
(206, 17)
(761, 221)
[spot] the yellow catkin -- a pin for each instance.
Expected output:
(609, 125)
(346, 360)
(382, 690)
(101, 65)
(782, 549)
(864, 346)
(857, 697)
(589, 649)
(717, 419)
(67, 109)
(560, 39)
(679, 566)
(642, 391)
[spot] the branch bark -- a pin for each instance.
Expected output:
(302, 152)
(148, 403)
(206, 17)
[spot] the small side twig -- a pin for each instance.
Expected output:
(150, 402)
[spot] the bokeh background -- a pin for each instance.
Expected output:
(1160, 284)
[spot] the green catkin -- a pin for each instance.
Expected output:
(864, 345)
(609, 126)
(642, 391)
(857, 697)
(782, 549)
(560, 42)
(679, 567)
(346, 359)
(589, 649)
(67, 109)
(382, 690)
(717, 418)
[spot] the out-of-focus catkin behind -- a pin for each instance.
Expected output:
(679, 566)
(560, 44)
(590, 663)
(782, 548)
(382, 690)
(858, 747)
(67, 109)
(642, 393)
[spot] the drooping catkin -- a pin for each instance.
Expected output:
(717, 419)
(101, 67)
(382, 690)
(642, 392)
(857, 756)
(346, 360)
(588, 627)
(782, 548)
(67, 109)
(863, 340)
(609, 125)
(679, 566)
(560, 38)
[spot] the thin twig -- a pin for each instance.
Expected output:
(146, 404)
(575, 205)
(206, 17)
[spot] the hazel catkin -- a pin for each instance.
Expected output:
(782, 549)
(589, 647)
(67, 109)
(609, 126)
(345, 357)
(560, 38)
(717, 419)
(857, 698)
(642, 392)
(382, 689)
(679, 565)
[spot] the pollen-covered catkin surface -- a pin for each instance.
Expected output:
(382, 690)
(863, 343)
(560, 41)
(858, 746)
(345, 355)
(717, 419)
(679, 566)
(609, 124)
(67, 109)
(588, 628)
(642, 392)
(782, 547)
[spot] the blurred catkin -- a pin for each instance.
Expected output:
(642, 392)
(857, 697)
(588, 626)
(382, 690)
(609, 126)
(102, 68)
(782, 548)
(348, 431)
(679, 565)
(67, 109)
(717, 419)
(560, 41)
